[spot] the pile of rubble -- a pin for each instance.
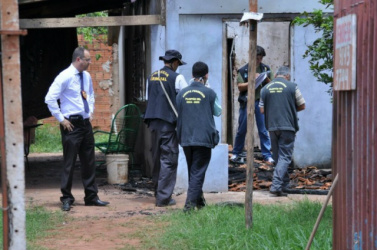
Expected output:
(309, 180)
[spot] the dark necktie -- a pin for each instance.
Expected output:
(86, 106)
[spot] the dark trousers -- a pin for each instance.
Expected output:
(239, 142)
(282, 142)
(198, 159)
(79, 141)
(165, 163)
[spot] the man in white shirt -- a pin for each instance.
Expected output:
(74, 88)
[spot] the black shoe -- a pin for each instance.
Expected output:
(170, 203)
(66, 206)
(96, 202)
(201, 202)
(188, 209)
(243, 154)
(237, 159)
(278, 193)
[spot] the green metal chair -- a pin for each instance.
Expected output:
(123, 133)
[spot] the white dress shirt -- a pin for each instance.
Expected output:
(67, 88)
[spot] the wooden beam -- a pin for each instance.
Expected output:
(72, 22)
(253, 7)
(163, 12)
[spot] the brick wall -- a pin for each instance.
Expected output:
(100, 70)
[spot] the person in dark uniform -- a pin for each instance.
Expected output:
(242, 81)
(281, 99)
(74, 88)
(161, 120)
(197, 134)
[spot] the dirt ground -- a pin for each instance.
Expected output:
(105, 227)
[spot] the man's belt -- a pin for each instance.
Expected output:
(78, 119)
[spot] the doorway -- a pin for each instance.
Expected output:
(274, 37)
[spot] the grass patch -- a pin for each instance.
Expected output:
(38, 223)
(48, 139)
(281, 226)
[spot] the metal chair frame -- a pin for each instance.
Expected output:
(123, 133)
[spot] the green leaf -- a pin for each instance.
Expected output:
(320, 52)
(91, 33)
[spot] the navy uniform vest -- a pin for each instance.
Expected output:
(280, 112)
(196, 125)
(243, 71)
(158, 106)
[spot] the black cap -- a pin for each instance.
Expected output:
(199, 69)
(172, 54)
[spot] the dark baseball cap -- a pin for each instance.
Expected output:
(172, 54)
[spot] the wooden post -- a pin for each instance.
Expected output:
(163, 13)
(12, 140)
(3, 172)
(253, 6)
(319, 218)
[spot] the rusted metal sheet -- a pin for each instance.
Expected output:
(13, 157)
(355, 137)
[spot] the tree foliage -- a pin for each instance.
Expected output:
(320, 53)
(91, 33)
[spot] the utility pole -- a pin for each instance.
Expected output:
(253, 7)
(11, 132)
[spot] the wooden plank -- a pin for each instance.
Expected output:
(224, 86)
(72, 22)
(253, 6)
(163, 12)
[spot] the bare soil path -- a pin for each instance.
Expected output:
(110, 227)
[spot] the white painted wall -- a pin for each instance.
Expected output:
(313, 141)
(201, 40)
(289, 6)
(274, 38)
(157, 47)
(240, 6)
(199, 37)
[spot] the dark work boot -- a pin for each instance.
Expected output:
(66, 205)
(278, 193)
(201, 202)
